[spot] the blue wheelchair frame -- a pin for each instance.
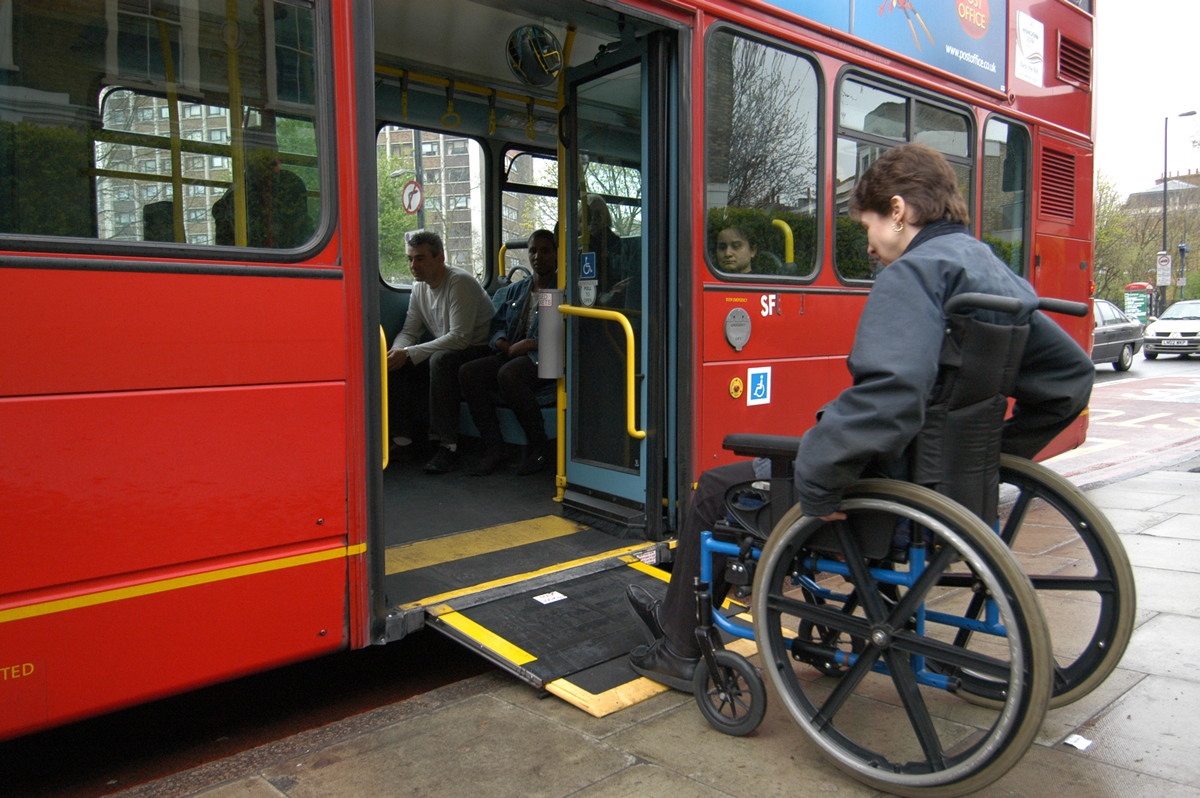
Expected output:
(709, 546)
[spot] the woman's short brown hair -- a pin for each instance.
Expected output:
(921, 176)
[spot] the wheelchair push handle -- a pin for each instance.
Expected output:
(1007, 304)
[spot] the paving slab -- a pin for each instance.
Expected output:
(1147, 551)
(1065, 773)
(1130, 522)
(1163, 590)
(254, 787)
(649, 780)
(1123, 497)
(775, 760)
(1153, 729)
(478, 746)
(1166, 645)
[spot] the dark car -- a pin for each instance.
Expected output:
(1118, 338)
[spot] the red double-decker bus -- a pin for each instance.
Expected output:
(202, 216)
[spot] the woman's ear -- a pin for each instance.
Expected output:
(899, 210)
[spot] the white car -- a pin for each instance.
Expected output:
(1175, 332)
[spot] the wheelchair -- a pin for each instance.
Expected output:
(907, 641)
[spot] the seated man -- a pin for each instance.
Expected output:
(908, 202)
(452, 306)
(512, 368)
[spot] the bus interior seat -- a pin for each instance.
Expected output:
(393, 306)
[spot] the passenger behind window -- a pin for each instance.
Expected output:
(744, 241)
(276, 206)
(734, 250)
(616, 275)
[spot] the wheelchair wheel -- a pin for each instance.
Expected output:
(1080, 570)
(825, 637)
(892, 720)
(736, 702)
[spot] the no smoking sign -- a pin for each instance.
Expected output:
(412, 196)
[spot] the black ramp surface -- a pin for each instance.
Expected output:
(589, 625)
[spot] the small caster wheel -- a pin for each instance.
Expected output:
(734, 701)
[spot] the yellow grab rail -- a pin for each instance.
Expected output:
(789, 254)
(387, 441)
(503, 252)
(612, 315)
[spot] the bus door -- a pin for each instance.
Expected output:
(616, 285)
(494, 561)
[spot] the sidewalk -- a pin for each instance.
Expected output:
(493, 736)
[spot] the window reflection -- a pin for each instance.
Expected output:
(762, 128)
(1002, 215)
(872, 121)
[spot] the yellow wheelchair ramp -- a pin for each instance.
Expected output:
(543, 599)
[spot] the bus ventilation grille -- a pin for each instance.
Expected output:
(1074, 63)
(1058, 186)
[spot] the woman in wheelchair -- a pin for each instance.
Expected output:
(916, 222)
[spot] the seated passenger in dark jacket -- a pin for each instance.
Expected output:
(916, 221)
(511, 369)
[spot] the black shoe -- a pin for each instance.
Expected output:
(659, 663)
(535, 460)
(491, 460)
(644, 607)
(442, 462)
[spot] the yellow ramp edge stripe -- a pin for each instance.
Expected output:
(425, 553)
(657, 573)
(176, 583)
(487, 638)
(511, 580)
(623, 696)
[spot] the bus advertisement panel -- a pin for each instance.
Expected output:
(966, 38)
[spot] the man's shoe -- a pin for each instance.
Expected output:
(535, 460)
(442, 462)
(659, 663)
(644, 607)
(491, 460)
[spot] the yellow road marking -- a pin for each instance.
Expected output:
(422, 554)
(487, 638)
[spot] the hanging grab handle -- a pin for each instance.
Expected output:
(450, 119)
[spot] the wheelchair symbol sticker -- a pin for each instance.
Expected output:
(587, 266)
(758, 382)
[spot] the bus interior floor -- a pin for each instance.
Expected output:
(420, 506)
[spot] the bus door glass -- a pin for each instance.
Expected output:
(615, 243)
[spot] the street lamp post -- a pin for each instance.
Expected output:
(1162, 289)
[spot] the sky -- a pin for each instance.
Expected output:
(1146, 68)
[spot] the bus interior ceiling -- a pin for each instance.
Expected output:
(466, 41)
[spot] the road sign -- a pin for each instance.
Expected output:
(1164, 269)
(412, 196)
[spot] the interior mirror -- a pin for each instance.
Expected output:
(534, 55)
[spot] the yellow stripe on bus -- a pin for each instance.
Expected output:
(425, 553)
(487, 639)
(176, 583)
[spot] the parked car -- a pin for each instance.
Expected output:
(1175, 332)
(1118, 337)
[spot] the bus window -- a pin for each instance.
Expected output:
(186, 122)
(1003, 215)
(529, 200)
(762, 118)
(871, 120)
(430, 181)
